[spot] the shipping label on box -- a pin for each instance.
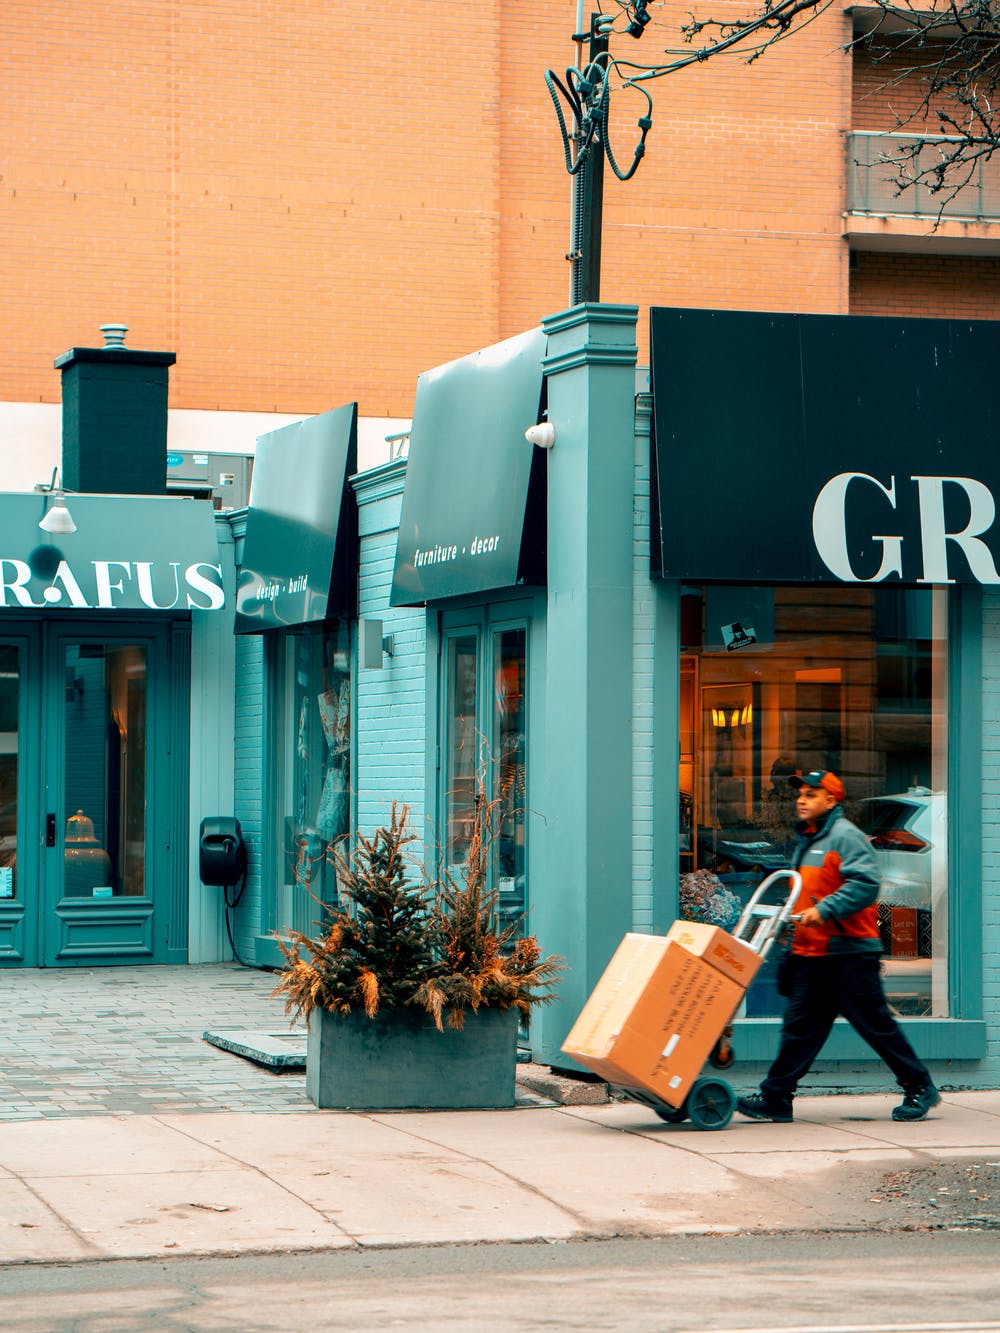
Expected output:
(591, 1038)
(673, 1027)
(718, 947)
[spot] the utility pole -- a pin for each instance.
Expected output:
(587, 204)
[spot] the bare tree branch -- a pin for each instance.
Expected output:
(941, 56)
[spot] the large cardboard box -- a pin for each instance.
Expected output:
(593, 1036)
(654, 1016)
(671, 1030)
(730, 955)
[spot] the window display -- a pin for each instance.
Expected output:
(784, 680)
(313, 766)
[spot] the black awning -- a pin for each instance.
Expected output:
(825, 448)
(462, 528)
(128, 553)
(299, 561)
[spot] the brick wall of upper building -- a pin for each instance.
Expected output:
(889, 86)
(925, 286)
(311, 204)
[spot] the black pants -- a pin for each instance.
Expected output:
(822, 988)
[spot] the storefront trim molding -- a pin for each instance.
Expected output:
(965, 811)
(607, 320)
(934, 1039)
(380, 483)
(589, 657)
(379, 494)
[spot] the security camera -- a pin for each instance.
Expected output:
(544, 435)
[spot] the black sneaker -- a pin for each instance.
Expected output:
(757, 1107)
(916, 1103)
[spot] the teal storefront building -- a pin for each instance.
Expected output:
(747, 560)
(115, 672)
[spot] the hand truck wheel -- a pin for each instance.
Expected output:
(710, 1103)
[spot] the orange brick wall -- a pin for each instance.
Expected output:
(312, 202)
(888, 87)
(929, 286)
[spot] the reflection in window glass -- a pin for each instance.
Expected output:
(461, 750)
(314, 764)
(10, 682)
(509, 749)
(785, 680)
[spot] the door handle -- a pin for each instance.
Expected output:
(50, 830)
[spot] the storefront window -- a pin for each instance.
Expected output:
(314, 767)
(785, 680)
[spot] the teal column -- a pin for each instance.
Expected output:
(584, 906)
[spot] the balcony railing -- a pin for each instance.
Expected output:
(871, 185)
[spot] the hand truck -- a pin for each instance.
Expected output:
(711, 1101)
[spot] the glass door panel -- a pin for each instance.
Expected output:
(104, 771)
(20, 711)
(10, 700)
(461, 757)
(510, 716)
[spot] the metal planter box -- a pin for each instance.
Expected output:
(399, 1060)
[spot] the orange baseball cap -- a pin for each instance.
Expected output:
(820, 777)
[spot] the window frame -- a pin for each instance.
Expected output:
(484, 621)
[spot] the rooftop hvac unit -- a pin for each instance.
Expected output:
(223, 477)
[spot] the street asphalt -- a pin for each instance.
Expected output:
(127, 1135)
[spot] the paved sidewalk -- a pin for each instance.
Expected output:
(127, 1136)
(128, 1041)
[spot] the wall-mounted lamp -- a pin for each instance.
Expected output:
(544, 435)
(732, 717)
(373, 645)
(57, 519)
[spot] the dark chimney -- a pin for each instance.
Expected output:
(114, 417)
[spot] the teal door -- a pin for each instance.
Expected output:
(89, 871)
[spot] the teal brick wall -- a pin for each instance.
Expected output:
(249, 783)
(391, 714)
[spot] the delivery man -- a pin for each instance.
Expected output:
(835, 965)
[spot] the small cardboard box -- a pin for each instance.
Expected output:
(592, 1037)
(730, 955)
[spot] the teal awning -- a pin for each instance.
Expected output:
(462, 528)
(128, 553)
(299, 562)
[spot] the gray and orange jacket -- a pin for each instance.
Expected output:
(840, 877)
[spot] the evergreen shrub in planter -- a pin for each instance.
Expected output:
(411, 991)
